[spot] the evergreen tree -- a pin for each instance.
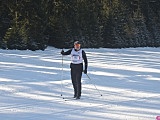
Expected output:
(34, 24)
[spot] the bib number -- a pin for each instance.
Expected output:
(75, 58)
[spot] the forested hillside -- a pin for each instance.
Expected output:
(35, 24)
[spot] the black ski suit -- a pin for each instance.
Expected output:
(76, 72)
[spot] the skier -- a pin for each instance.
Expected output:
(77, 57)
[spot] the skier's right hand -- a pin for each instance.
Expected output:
(62, 52)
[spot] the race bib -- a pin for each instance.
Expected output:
(75, 58)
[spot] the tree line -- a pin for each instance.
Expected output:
(35, 24)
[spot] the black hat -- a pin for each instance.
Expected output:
(76, 42)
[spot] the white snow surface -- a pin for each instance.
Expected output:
(31, 84)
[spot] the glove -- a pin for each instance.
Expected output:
(85, 71)
(62, 52)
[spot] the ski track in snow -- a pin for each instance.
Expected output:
(31, 84)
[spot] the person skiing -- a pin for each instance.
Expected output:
(77, 57)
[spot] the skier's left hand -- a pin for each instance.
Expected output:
(85, 71)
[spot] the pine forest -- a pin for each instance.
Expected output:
(36, 24)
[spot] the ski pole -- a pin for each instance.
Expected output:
(62, 76)
(93, 84)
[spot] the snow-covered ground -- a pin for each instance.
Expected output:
(31, 84)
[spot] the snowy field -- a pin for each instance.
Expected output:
(31, 84)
